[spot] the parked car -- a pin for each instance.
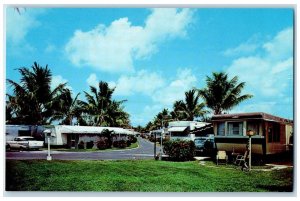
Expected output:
(199, 144)
(24, 143)
(205, 144)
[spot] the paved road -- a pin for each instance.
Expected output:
(144, 151)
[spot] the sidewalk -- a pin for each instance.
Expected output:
(271, 166)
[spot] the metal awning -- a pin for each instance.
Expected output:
(177, 129)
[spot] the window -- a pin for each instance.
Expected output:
(253, 126)
(235, 128)
(274, 132)
(221, 129)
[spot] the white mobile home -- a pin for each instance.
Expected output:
(185, 130)
(69, 136)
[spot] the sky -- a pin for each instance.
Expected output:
(152, 56)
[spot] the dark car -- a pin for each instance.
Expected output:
(205, 145)
(199, 144)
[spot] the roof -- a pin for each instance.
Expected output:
(177, 129)
(91, 129)
(253, 115)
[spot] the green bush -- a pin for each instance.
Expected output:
(179, 150)
(132, 139)
(103, 144)
(120, 144)
(89, 145)
(81, 145)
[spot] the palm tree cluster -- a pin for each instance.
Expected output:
(183, 110)
(34, 102)
(220, 95)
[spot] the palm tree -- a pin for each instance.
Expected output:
(189, 109)
(222, 94)
(102, 109)
(177, 113)
(66, 107)
(33, 98)
(161, 119)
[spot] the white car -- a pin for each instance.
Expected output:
(24, 143)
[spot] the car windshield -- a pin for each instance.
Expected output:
(28, 138)
(199, 141)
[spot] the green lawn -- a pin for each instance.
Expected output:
(140, 176)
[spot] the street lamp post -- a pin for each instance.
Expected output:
(48, 134)
(161, 145)
(250, 133)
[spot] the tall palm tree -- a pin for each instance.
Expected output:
(189, 109)
(222, 94)
(66, 107)
(33, 98)
(101, 108)
(177, 113)
(161, 119)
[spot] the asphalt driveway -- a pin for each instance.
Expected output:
(144, 151)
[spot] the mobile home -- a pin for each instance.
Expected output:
(63, 135)
(271, 133)
(185, 130)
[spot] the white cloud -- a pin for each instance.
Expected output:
(262, 106)
(92, 80)
(18, 25)
(146, 114)
(176, 89)
(50, 48)
(246, 48)
(268, 76)
(58, 79)
(113, 48)
(141, 82)
(281, 46)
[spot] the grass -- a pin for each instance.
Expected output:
(132, 146)
(140, 176)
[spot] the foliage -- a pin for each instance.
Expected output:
(101, 110)
(103, 143)
(81, 145)
(33, 102)
(222, 94)
(66, 107)
(120, 144)
(179, 150)
(90, 145)
(132, 138)
(189, 109)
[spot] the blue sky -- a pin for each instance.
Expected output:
(152, 56)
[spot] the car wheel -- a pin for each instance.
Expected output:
(21, 149)
(8, 148)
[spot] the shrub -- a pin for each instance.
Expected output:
(120, 144)
(81, 145)
(132, 139)
(90, 145)
(103, 144)
(179, 150)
